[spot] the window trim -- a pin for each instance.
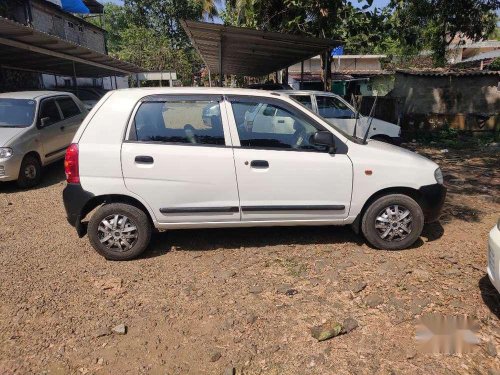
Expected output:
(341, 146)
(130, 136)
(60, 109)
(39, 115)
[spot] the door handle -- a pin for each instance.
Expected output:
(142, 159)
(259, 164)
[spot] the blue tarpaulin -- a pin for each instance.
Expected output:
(74, 6)
(338, 51)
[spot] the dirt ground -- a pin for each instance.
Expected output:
(244, 300)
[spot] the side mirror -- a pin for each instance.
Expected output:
(324, 138)
(44, 121)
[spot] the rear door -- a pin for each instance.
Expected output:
(72, 117)
(281, 175)
(180, 161)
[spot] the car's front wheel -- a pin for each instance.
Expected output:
(30, 172)
(119, 231)
(393, 222)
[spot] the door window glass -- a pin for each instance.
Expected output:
(68, 107)
(305, 100)
(49, 112)
(185, 121)
(270, 126)
(332, 107)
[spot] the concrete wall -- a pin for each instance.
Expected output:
(457, 101)
(340, 63)
(50, 20)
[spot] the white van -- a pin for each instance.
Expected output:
(152, 157)
(341, 114)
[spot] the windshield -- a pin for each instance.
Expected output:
(348, 136)
(16, 113)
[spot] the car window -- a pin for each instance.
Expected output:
(305, 100)
(68, 107)
(49, 112)
(332, 107)
(185, 121)
(271, 126)
(16, 113)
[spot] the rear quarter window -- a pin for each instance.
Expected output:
(68, 107)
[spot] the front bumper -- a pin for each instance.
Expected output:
(493, 268)
(9, 168)
(75, 199)
(432, 200)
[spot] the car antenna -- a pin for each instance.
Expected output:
(372, 111)
(356, 113)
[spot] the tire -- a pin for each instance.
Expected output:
(30, 172)
(378, 226)
(116, 247)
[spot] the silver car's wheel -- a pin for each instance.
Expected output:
(30, 172)
(394, 223)
(117, 232)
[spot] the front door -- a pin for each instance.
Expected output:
(281, 175)
(178, 158)
(51, 135)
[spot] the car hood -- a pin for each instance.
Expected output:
(398, 153)
(6, 134)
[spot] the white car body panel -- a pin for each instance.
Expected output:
(493, 268)
(294, 177)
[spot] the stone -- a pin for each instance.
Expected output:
(120, 329)
(100, 361)
(256, 289)
(373, 300)
(251, 318)
(357, 287)
(103, 331)
(230, 371)
(348, 325)
(291, 292)
(410, 353)
(227, 274)
(282, 289)
(491, 348)
(215, 356)
(326, 331)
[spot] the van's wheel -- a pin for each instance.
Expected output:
(119, 231)
(30, 172)
(393, 222)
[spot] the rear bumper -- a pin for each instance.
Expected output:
(433, 197)
(75, 199)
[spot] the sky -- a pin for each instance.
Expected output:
(376, 3)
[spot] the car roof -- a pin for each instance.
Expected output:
(145, 91)
(32, 94)
(307, 92)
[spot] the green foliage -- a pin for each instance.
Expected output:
(434, 24)
(495, 65)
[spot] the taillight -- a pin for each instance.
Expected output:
(71, 164)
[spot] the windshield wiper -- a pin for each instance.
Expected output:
(372, 111)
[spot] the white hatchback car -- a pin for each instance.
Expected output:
(494, 256)
(36, 127)
(341, 114)
(147, 158)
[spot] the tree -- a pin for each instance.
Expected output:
(435, 24)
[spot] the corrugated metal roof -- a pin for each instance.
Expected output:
(483, 56)
(251, 52)
(447, 73)
(22, 47)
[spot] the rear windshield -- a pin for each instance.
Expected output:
(16, 113)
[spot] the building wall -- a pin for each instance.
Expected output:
(50, 20)
(343, 63)
(457, 101)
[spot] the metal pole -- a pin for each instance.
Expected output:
(325, 73)
(209, 78)
(301, 74)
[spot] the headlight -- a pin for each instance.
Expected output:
(5, 152)
(438, 175)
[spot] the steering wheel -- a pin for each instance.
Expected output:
(190, 133)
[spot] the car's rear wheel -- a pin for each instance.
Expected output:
(393, 222)
(30, 172)
(119, 231)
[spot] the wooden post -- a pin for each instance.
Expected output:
(301, 74)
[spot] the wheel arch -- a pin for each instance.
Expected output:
(411, 192)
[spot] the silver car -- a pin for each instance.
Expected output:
(36, 127)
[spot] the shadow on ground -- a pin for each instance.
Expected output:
(51, 175)
(490, 295)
